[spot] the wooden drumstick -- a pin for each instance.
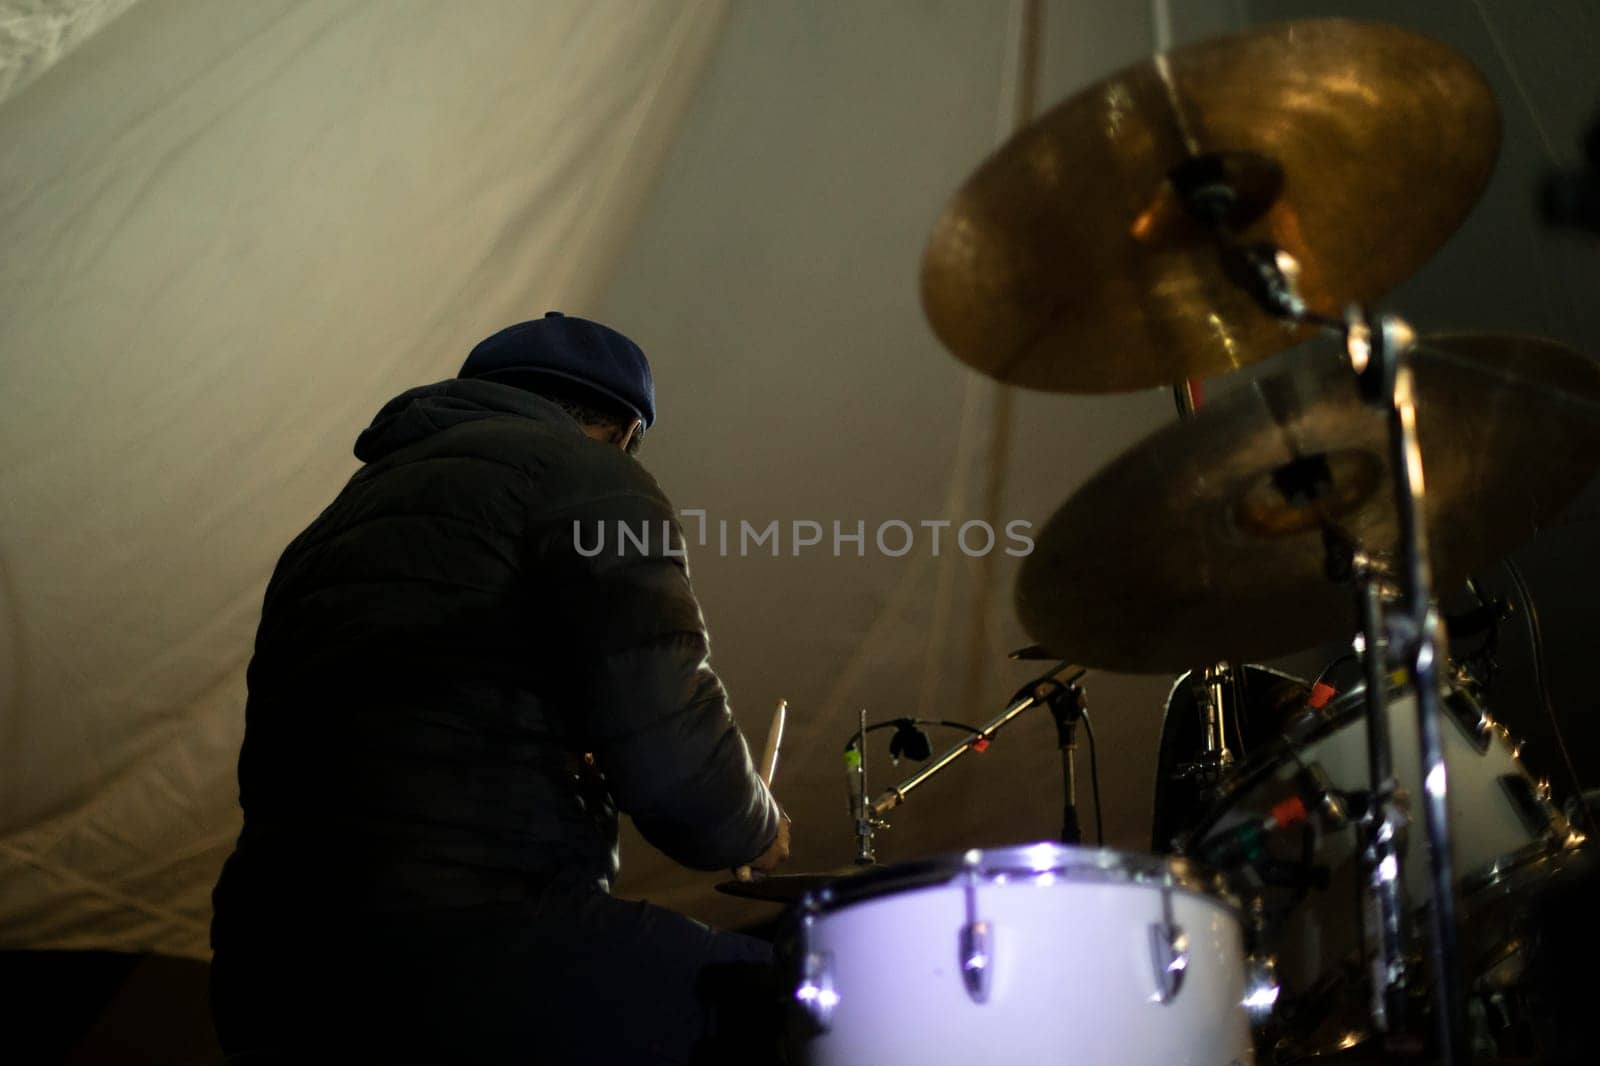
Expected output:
(769, 765)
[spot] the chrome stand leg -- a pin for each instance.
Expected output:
(1384, 827)
(1378, 355)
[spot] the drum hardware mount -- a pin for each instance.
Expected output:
(1212, 687)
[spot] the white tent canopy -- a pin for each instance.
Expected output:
(232, 229)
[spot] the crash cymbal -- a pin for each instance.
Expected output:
(1200, 544)
(1067, 262)
(788, 888)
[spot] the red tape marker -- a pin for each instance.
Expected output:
(1291, 811)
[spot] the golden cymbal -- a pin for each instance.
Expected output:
(1202, 543)
(1067, 262)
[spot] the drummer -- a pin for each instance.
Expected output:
(427, 852)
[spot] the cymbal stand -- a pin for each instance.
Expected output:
(1377, 349)
(1066, 702)
(1384, 821)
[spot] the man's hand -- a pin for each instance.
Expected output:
(778, 853)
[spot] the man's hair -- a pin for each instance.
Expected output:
(590, 409)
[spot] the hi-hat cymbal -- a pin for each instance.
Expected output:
(788, 888)
(1066, 262)
(1186, 549)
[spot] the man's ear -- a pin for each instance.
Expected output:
(624, 438)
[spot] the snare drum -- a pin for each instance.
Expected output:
(1040, 953)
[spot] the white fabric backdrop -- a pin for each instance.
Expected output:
(35, 35)
(231, 230)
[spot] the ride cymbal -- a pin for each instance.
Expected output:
(1204, 542)
(1069, 263)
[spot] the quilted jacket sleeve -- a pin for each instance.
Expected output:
(646, 700)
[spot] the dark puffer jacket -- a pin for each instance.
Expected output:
(436, 656)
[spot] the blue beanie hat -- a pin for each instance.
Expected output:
(569, 349)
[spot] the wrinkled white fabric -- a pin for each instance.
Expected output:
(231, 230)
(35, 35)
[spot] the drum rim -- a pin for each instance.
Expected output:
(1043, 862)
(1515, 870)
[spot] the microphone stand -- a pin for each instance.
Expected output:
(1030, 695)
(866, 819)
(1066, 702)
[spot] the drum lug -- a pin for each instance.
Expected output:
(1169, 952)
(1261, 989)
(815, 992)
(1474, 724)
(977, 961)
(975, 943)
(1531, 803)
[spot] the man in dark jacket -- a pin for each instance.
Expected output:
(452, 695)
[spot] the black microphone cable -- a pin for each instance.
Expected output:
(1536, 638)
(1094, 778)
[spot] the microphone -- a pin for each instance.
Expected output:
(1314, 793)
(1243, 843)
(1316, 788)
(909, 740)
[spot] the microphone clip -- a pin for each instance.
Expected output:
(910, 741)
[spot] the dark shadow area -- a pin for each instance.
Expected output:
(86, 1008)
